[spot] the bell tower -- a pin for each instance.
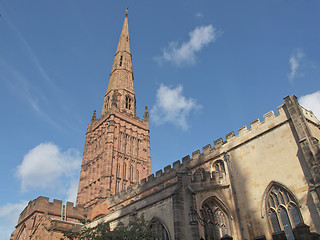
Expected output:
(117, 146)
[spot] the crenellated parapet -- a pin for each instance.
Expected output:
(55, 209)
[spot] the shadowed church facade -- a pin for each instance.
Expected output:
(261, 183)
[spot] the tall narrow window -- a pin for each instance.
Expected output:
(124, 171)
(282, 210)
(138, 176)
(125, 143)
(120, 64)
(131, 173)
(117, 186)
(118, 170)
(107, 103)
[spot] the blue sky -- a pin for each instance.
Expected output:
(204, 68)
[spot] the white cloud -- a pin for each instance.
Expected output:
(72, 191)
(45, 166)
(185, 53)
(199, 15)
(171, 106)
(295, 63)
(311, 102)
(9, 214)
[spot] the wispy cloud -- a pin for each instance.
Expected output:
(295, 62)
(198, 15)
(47, 167)
(34, 59)
(185, 53)
(9, 214)
(311, 102)
(172, 107)
(20, 87)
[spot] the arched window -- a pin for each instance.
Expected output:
(218, 168)
(216, 220)
(160, 230)
(282, 210)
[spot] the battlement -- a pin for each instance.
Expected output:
(257, 127)
(54, 209)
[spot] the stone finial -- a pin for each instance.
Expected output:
(146, 115)
(94, 116)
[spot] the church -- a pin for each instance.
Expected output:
(262, 182)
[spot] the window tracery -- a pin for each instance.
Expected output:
(282, 210)
(158, 228)
(216, 220)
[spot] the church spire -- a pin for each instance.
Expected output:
(121, 77)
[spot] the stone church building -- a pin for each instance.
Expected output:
(260, 183)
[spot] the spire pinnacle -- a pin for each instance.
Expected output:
(121, 77)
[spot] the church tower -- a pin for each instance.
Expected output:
(117, 147)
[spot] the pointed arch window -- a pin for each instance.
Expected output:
(218, 169)
(216, 219)
(159, 229)
(282, 210)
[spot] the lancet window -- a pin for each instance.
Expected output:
(216, 220)
(121, 58)
(282, 210)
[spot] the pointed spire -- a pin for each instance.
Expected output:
(121, 77)
(124, 44)
(146, 114)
